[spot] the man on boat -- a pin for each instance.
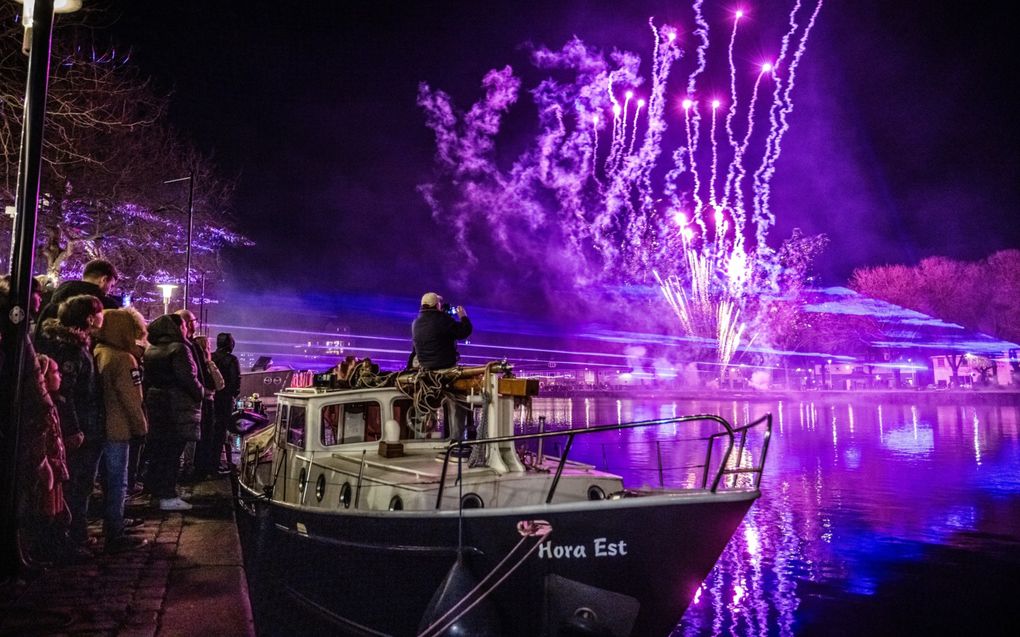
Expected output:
(435, 333)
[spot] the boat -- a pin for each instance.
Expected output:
(364, 508)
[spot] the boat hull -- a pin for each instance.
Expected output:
(632, 564)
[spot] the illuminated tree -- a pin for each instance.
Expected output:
(983, 366)
(107, 152)
(979, 295)
(982, 295)
(1003, 282)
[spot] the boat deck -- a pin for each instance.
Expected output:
(422, 469)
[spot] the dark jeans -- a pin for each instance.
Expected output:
(161, 476)
(115, 456)
(214, 433)
(463, 425)
(82, 464)
(135, 461)
(210, 447)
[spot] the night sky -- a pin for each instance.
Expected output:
(903, 138)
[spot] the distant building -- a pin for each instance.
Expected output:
(998, 371)
(869, 374)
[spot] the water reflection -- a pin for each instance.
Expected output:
(862, 503)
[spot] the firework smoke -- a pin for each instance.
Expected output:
(601, 197)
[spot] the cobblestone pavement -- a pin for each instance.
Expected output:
(189, 580)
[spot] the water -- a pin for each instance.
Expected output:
(874, 519)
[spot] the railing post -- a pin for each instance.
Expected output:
(361, 473)
(725, 461)
(559, 468)
(540, 456)
(442, 478)
(658, 455)
(708, 460)
(764, 449)
(740, 455)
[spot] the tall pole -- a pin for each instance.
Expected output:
(191, 228)
(201, 308)
(15, 324)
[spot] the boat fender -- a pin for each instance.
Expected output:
(391, 431)
(390, 446)
(246, 421)
(482, 620)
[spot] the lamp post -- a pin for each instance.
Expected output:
(191, 226)
(38, 23)
(168, 291)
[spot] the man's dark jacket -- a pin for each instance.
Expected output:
(66, 290)
(173, 400)
(435, 335)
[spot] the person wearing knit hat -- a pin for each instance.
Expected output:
(435, 333)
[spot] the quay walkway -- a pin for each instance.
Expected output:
(189, 580)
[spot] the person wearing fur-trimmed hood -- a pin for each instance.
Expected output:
(68, 340)
(120, 374)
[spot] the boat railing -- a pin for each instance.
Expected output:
(733, 437)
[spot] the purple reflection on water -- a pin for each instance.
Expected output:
(874, 517)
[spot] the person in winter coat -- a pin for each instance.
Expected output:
(136, 455)
(42, 467)
(68, 341)
(98, 279)
(207, 453)
(121, 377)
(435, 333)
(55, 474)
(173, 402)
(224, 400)
(189, 468)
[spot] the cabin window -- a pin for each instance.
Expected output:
(403, 413)
(350, 422)
(295, 424)
(282, 414)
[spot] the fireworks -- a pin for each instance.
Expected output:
(600, 184)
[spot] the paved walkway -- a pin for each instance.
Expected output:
(188, 581)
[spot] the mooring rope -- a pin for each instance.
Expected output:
(528, 529)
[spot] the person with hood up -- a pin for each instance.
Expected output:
(207, 456)
(67, 339)
(121, 377)
(223, 402)
(173, 401)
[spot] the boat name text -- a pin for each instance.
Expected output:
(600, 547)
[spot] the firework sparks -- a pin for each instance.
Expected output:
(610, 216)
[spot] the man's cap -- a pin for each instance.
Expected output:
(431, 299)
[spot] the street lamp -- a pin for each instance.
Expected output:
(191, 226)
(38, 23)
(168, 290)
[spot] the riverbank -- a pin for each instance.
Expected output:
(189, 580)
(825, 396)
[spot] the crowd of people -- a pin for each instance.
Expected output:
(111, 401)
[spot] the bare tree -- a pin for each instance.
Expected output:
(107, 152)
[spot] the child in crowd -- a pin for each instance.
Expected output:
(44, 513)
